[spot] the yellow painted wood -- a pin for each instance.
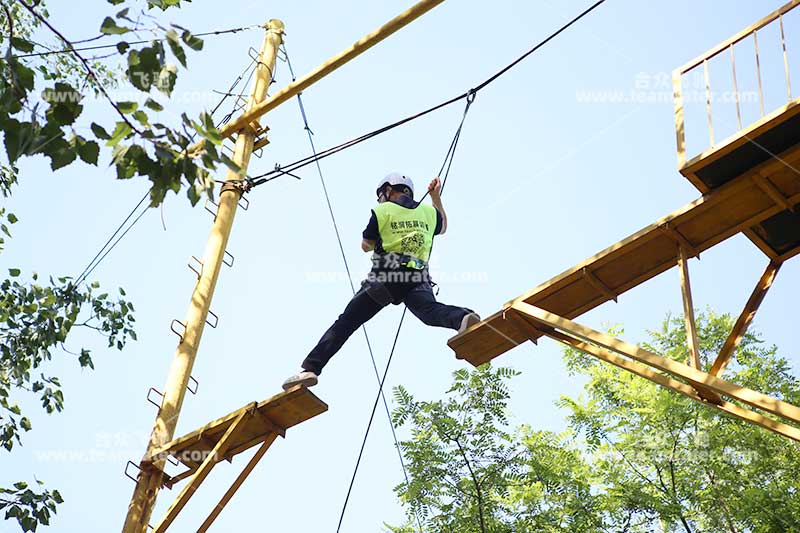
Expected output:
(688, 308)
(745, 318)
(205, 468)
(729, 209)
(149, 480)
(695, 377)
(237, 483)
(298, 86)
(665, 381)
(739, 36)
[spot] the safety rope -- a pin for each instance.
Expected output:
(470, 97)
(145, 41)
(448, 161)
(310, 134)
(300, 163)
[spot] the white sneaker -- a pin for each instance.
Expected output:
(305, 378)
(469, 320)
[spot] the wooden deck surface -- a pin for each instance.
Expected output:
(734, 207)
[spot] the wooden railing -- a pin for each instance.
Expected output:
(727, 46)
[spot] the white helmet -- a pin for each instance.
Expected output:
(395, 178)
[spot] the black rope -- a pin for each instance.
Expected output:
(258, 180)
(95, 261)
(145, 41)
(347, 269)
(448, 161)
(470, 98)
(98, 258)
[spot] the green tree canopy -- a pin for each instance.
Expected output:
(635, 458)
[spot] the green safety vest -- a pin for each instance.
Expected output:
(407, 232)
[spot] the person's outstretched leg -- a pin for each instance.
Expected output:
(421, 301)
(360, 309)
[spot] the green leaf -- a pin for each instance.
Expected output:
(191, 41)
(64, 103)
(14, 272)
(128, 107)
(122, 46)
(22, 45)
(88, 152)
(109, 27)
(152, 104)
(141, 117)
(100, 132)
(120, 132)
(167, 78)
(12, 218)
(175, 45)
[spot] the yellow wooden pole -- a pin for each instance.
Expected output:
(150, 477)
(294, 88)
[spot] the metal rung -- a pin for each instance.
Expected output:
(128, 475)
(153, 389)
(210, 201)
(253, 53)
(196, 385)
(244, 205)
(216, 319)
(173, 461)
(228, 254)
(198, 272)
(172, 327)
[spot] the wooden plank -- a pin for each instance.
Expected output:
(732, 208)
(745, 318)
(771, 191)
(284, 410)
(695, 377)
(680, 240)
(688, 308)
(200, 475)
(743, 136)
(760, 243)
(237, 483)
(599, 285)
(648, 373)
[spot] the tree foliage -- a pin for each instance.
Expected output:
(636, 458)
(43, 98)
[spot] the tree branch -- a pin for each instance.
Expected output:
(85, 63)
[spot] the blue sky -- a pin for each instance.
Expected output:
(542, 180)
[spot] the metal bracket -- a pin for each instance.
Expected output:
(172, 327)
(198, 272)
(228, 254)
(216, 319)
(153, 389)
(128, 475)
(196, 385)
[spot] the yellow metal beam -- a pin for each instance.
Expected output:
(296, 87)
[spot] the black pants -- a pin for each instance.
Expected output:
(365, 304)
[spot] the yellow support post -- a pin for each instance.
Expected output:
(151, 476)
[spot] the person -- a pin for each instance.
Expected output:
(400, 233)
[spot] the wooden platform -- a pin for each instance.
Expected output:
(272, 416)
(774, 134)
(740, 204)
